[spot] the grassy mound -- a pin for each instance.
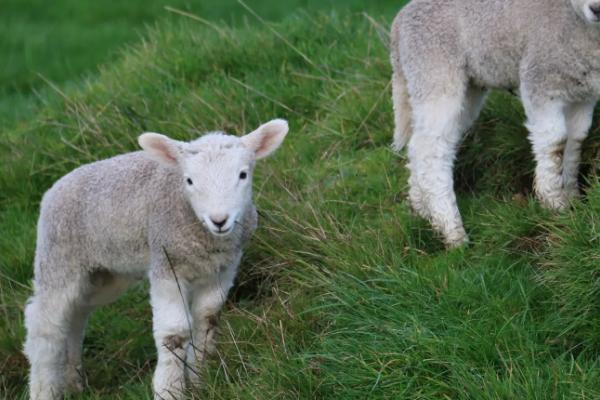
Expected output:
(343, 293)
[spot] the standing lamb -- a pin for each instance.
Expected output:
(178, 213)
(446, 54)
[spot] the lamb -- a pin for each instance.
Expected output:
(176, 212)
(447, 54)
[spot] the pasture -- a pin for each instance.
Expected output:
(343, 293)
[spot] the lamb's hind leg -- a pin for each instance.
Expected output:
(102, 287)
(48, 318)
(439, 123)
(474, 101)
(579, 120)
(548, 134)
(74, 374)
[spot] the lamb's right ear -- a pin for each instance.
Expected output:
(161, 148)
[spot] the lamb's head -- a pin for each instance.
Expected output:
(216, 170)
(589, 10)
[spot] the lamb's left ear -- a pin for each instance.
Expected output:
(267, 138)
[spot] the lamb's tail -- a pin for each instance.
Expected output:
(400, 99)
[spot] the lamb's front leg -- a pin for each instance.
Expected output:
(205, 309)
(548, 134)
(207, 301)
(172, 334)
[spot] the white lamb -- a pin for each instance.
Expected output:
(178, 213)
(446, 54)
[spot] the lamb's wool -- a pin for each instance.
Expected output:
(446, 54)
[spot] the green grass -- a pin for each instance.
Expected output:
(343, 293)
(63, 43)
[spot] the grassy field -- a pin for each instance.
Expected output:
(343, 293)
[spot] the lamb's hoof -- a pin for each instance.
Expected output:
(456, 241)
(558, 201)
(75, 379)
(572, 194)
(556, 204)
(417, 209)
(194, 374)
(175, 393)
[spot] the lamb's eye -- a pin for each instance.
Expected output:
(189, 181)
(243, 175)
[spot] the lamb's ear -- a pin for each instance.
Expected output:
(267, 138)
(161, 148)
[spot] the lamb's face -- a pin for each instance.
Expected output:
(217, 175)
(216, 170)
(589, 10)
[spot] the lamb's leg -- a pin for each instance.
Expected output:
(205, 309)
(103, 288)
(207, 302)
(172, 333)
(48, 318)
(474, 101)
(548, 135)
(74, 372)
(438, 127)
(579, 120)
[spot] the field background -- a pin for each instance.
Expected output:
(343, 293)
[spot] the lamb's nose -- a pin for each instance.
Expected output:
(595, 8)
(219, 220)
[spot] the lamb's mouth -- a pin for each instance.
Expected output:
(221, 229)
(221, 232)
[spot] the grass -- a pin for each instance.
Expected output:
(66, 42)
(343, 293)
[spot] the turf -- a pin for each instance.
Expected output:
(343, 293)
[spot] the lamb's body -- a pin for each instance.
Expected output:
(113, 214)
(107, 224)
(446, 54)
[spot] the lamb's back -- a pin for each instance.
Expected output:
(487, 39)
(100, 211)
